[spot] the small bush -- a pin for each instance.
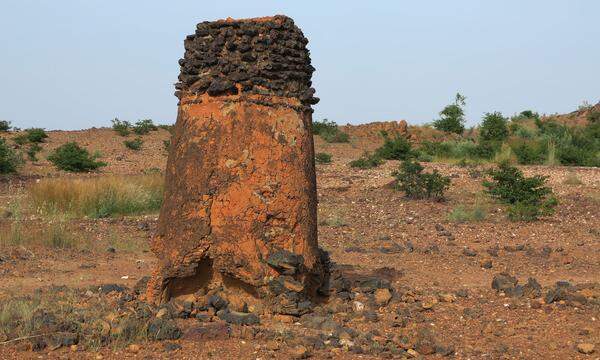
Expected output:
(416, 184)
(74, 158)
(121, 127)
(452, 117)
(143, 127)
(167, 145)
(9, 160)
(320, 127)
(366, 161)
(21, 139)
(36, 135)
(33, 150)
(528, 114)
(4, 125)
(329, 131)
(594, 117)
(530, 152)
(169, 128)
(134, 144)
(494, 127)
(395, 149)
(527, 197)
(323, 158)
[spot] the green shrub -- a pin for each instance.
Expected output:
(527, 197)
(416, 184)
(33, 150)
(323, 158)
(134, 144)
(9, 160)
(121, 127)
(452, 117)
(143, 127)
(167, 145)
(329, 131)
(494, 127)
(36, 135)
(320, 127)
(366, 161)
(394, 149)
(4, 125)
(169, 128)
(529, 114)
(530, 152)
(594, 117)
(21, 139)
(74, 158)
(459, 149)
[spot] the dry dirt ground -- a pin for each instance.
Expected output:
(439, 272)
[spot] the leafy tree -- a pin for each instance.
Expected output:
(494, 127)
(4, 125)
(74, 158)
(452, 117)
(121, 127)
(143, 127)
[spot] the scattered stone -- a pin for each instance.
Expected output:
(209, 331)
(382, 296)
(285, 261)
(134, 348)
(160, 329)
(217, 302)
(299, 352)
(141, 285)
(111, 250)
(238, 318)
(429, 302)
(504, 282)
(486, 264)
(357, 306)
(586, 348)
(469, 252)
(172, 347)
(447, 297)
(108, 288)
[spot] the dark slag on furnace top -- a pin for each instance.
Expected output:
(265, 56)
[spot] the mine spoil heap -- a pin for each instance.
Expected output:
(239, 213)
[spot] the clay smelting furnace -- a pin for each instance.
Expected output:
(239, 213)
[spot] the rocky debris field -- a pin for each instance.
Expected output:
(407, 280)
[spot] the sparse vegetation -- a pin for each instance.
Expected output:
(397, 148)
(416, 184)
(72, 157)
(323, 158)
(135, 144)
(121, 127)
(527, 197)
(462, 214)
(9, 160)
(452, 117)
(52, 234)
(143, 127)
(4, 126)
(366, 161)
(167, 145)
(36, 135)
(33, 150)
(99, 197)
(329, 131)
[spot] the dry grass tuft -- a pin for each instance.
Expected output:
(99, 197)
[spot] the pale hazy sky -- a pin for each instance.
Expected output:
(72, 64)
